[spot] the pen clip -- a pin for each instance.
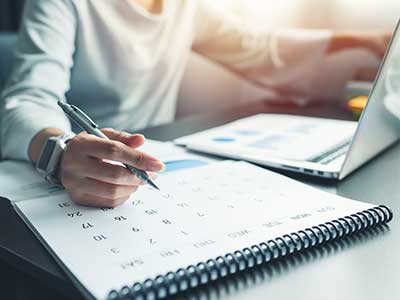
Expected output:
(84, 116)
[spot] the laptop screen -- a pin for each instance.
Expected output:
(379, 125)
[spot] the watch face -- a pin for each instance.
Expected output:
(46, 155)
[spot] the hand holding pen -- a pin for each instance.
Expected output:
(89, 178)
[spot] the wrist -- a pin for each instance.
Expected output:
(39, 140)
(49, 160)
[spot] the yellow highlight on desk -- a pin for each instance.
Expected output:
(356, 105)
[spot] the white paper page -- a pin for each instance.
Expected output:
(19, 180)
(280, 136)
(199, 214)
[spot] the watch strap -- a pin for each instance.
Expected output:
(50, 156)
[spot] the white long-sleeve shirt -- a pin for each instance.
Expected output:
(134, 61)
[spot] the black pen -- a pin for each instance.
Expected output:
(83, 120)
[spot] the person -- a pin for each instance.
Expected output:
(133, 54)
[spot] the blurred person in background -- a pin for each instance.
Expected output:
(134, 53)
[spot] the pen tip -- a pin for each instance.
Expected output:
(152, 183)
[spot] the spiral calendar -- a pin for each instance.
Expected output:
(205, 223)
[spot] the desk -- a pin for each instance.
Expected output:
(361, 268)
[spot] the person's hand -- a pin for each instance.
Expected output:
(90, 178)
(375, 42)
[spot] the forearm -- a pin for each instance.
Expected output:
(281, 60)
(291, 62)
(39, 140)
(40, 78)
(271, 59)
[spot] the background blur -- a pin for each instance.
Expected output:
(10, 11)
(224, 89)
(357, 14)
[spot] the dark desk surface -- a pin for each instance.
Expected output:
(363, 267)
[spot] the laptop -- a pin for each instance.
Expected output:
(315, 146)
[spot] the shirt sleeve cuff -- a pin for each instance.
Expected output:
(16, 138)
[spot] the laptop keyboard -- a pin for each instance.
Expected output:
(333, 154)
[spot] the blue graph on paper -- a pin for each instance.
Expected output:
(176, 165)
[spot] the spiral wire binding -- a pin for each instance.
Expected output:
(263, 273)
(204, 272)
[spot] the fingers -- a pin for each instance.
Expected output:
(387, 37)
(378, 47)
(375, 42)
(91, 180)
(96, 201)
(109, 173)
(116, 151)
(100, 189)
(131, 140)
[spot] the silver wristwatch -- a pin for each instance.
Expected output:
(49, 159)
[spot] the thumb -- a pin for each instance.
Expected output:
(131, 140)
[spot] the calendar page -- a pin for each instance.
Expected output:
(199, 214)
